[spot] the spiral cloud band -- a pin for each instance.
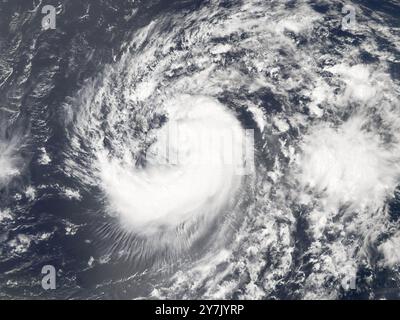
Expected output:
(195, 175)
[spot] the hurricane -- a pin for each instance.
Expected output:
(210, 149)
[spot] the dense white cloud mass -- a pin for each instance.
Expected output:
(327, 153)
(349, 166)
(192, 170)
(9, 162)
